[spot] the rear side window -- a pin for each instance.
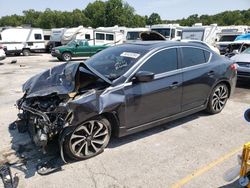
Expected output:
(163, 61)
(207, 55)
(99, 36)
(194, 56)
(38, 36)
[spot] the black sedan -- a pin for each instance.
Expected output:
(123, 90)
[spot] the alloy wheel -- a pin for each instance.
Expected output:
(66, 56)
(219, 98)
(89, 139)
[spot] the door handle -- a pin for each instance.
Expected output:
(210, 73)
(174, 85)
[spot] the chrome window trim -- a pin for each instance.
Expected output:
(164, 74)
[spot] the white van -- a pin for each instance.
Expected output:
(22, 40)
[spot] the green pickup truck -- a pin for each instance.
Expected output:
(76, 48)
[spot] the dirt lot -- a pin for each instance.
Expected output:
(191, 152)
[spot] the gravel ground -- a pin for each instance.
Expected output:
(159, 157)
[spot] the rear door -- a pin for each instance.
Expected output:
(156, 99)
(198, 76)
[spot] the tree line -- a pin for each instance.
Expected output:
(114, 12)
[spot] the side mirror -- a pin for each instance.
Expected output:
(77, 44)
(143, 76)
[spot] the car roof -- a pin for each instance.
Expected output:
(150, 45)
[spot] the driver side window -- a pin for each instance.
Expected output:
(161, 62)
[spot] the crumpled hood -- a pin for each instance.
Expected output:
(59, 79)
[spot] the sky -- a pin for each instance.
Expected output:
(167, 9)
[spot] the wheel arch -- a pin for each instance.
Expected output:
(227, 83)
(114, 121)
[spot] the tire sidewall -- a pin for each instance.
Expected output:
(210, 105)
(66, 143)
(66, 53)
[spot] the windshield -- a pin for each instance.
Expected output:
(164, 32)
(72, 43)
(115, 61)
(133, 35)
(227, 38)
(246, 51)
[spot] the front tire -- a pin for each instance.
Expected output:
(66, 56)
(218, 99)
(88, 139)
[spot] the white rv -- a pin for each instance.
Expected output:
(131, 34)
(111, 38)
(99, 36)
(169, 31)
(22, 40)
(206, 34)
(55, 38)
(227, 35)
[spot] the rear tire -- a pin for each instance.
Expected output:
(88, 139)
(218, 99)
(26, 52)
(66, 56)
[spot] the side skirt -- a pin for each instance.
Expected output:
(123, 131)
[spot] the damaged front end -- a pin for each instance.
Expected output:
(43, 117)
(43, 110)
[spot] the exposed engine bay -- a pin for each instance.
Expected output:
(44, 110)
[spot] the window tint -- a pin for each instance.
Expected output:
(38, 36)
(82, 43)
(46, 37)
(194, 56)
(99, 36)
(0, 37)
(161, 62)
(179, 33)
(109, 37)
(87, 36)
(207, 55)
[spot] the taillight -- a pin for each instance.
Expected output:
(234, 67)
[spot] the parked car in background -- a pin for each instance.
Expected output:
(122, 90)
(243, 61)
(2, 53)
(76, 48)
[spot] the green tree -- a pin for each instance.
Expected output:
(31, 17)
(96, 13)
(154, 18)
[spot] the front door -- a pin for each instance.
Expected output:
(156, 99)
